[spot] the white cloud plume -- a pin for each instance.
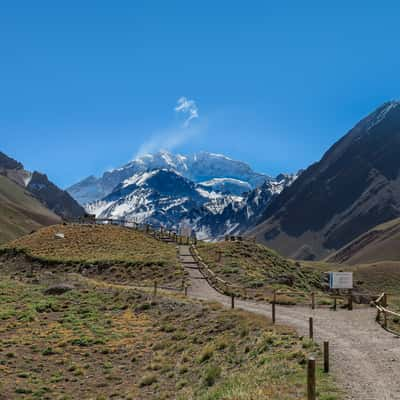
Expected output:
(171, 138)
(167, 140)
(188, 108)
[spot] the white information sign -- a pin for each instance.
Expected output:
(341, 280)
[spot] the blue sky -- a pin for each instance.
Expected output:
(86, 85)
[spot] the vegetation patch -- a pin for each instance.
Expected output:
(260, 270)
(110, 252)
(99, 342)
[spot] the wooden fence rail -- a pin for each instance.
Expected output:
(382, 310)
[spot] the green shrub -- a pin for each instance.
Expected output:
(213, 372)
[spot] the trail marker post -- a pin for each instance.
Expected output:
(350, 300)
(326, 357)
(232, 301)
(311, 392)
(311, 327)
(273, 308)
(313, 300)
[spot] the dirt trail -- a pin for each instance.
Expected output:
(365, 358)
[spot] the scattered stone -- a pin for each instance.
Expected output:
(283, 280)
(58, 289)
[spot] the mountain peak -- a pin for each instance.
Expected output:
(199, 167)
(354, 187)
(381, 113)
(9, 163)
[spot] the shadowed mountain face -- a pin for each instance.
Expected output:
(354, 187)
(20, 212)
(53, 197)
(377, 245)
(37, 184)
(9, 163)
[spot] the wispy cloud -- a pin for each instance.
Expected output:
(188, 108)
(171, 138)
(167, 140)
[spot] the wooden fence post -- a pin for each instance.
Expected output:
(326, 357)
(232, 301)
(385, 319)
(186, 290)
(313, 300)
(273, 308)
(350, 301)
(311, 392)
(384, 300)
(311, 328)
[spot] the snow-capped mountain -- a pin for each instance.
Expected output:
(213, 170)
(228, 185)
(160, 196)
(238, 215)
(164, 197)
(212, 193)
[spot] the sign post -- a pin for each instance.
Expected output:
(342, 280)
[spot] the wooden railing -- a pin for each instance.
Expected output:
(157, 231)
(383, 313)
(231, 289)
(215, 281)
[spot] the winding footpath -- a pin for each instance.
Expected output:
(365, 358)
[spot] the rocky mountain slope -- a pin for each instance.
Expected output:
(237, 216)
(211, 193)
(164, 197)
(20, 212)
(160, 196)
(213, 170)
(354, 187)
(38, 185)
(380, 243)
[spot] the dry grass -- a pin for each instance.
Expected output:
(108, 252)
(258, 269)
(93, 244)
(103, 343)
(20, 212)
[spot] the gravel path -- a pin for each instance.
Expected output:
(364, 358)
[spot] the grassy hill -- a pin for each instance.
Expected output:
(256, 267)
(99, 342)
(110, 252)
(20, 213)
(378, 244)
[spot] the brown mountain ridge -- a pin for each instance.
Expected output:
(354, 187)
(28, 200)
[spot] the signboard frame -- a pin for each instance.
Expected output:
(341, 280)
